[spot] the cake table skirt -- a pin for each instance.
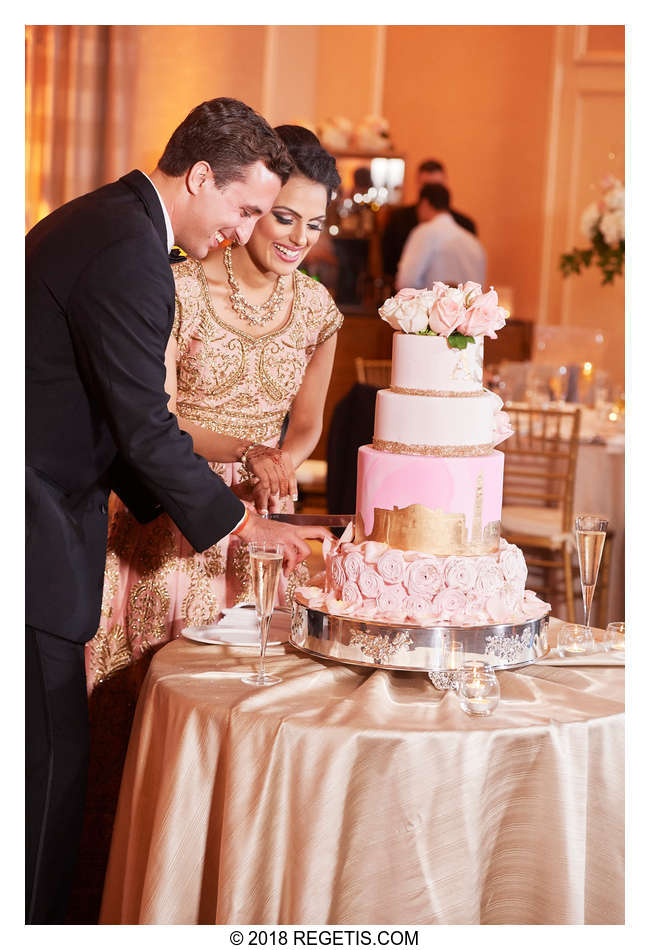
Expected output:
(354, 796)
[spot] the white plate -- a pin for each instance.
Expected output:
(238, 628)
(597, 658)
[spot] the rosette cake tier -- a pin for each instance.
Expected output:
(426, 546)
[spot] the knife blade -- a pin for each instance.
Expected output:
(325, 521)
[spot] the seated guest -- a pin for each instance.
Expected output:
(438, 248)
(403, 220)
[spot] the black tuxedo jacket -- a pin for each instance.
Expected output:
(399, 226)
(100, 306)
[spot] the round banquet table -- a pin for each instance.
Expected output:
(347, 795)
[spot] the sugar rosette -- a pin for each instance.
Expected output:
(372, 550)
(391, 566)
(460, 574)
(391, 599)
(513, 566)
(502, 427)
(338, 607)
(423, 577)
(370, 583)
(314, 596)
(339, 576)
(501, 607)
(350, 593)
(489, 577)
(353, 565)
(449, 602)
(416, 606)
(367, 611)
(475, 611)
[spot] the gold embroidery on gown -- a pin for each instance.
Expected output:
(227, 381)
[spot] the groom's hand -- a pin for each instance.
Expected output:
(289, 536)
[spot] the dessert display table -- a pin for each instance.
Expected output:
(347, 795)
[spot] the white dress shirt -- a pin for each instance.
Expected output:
(170, 244)
(168, 222)
(440, 250)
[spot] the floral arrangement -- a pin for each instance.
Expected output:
(371, 135)
(603, 223)
(458, 313)
(336, 133)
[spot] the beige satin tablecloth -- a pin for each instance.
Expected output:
(351, 796)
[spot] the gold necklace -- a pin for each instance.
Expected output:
(257, 314)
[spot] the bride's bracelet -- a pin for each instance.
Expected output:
(243, 458)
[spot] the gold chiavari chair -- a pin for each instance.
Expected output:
(373, 372)
(538, 493)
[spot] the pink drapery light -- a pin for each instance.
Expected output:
(78, 116)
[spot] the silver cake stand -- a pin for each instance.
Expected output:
(407, 647)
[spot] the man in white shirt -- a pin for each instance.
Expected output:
(438, 248)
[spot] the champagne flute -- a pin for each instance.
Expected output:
(266, 564)
(590, 538)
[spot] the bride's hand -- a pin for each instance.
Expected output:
(272, 474)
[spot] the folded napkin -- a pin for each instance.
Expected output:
(239, 625)
(599, 658)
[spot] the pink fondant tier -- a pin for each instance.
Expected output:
(372, 581)
(441, 506)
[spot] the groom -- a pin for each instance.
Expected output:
(100, 306)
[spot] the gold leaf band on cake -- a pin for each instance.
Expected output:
(445, 451)
(401, 390)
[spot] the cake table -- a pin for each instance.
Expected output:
(351, 795)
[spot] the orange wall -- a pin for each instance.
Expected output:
(521, 161)
(477, 98)
(345, 72)
(178, 67)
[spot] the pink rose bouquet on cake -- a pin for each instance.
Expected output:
(458, 313)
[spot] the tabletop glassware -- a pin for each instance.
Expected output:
(453, 657)
(591, 531)
(615, 637)
(478, 689)
(266, 564)
(574, 639)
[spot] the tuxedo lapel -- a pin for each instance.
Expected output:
(142, 187)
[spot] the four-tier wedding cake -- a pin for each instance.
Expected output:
(426, 546)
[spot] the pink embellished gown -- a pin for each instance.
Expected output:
(155, 583)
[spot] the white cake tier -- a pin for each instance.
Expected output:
(426, 365)
(436, 425)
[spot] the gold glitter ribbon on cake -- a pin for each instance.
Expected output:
(446, 393)
(443, 451)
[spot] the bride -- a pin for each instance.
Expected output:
(253, 339)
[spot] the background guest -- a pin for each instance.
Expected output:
(438, 248)
(403, 220)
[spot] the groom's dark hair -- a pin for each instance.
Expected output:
(230, 136)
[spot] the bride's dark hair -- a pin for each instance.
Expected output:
(309, 157)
